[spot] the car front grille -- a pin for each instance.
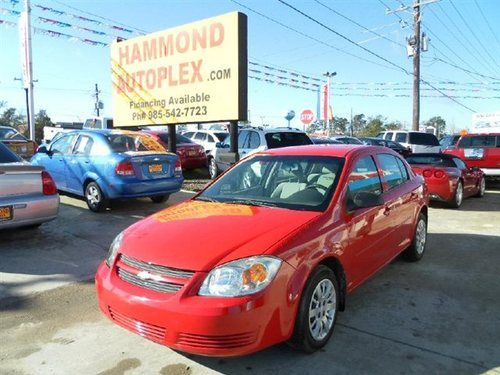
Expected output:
(154, 268)
(150, 331)
(216, 342)
(158, 286)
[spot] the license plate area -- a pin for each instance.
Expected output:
(155, 168)
(191, 153)
(6, 213)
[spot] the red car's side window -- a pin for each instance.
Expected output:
(364, 177)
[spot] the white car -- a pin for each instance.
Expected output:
(417, 142)
(207, 138)
(252, 140)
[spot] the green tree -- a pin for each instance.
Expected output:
(340, 124)
(374, 126)
(439, 123)
(41, 120)
(10, 117)
(393, 125)
(358, 123)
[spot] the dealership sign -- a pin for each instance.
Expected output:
(188, 74)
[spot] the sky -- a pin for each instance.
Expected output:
(67, 70)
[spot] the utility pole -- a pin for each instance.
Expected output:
(97, 103)
(416, 65)
(27, 65)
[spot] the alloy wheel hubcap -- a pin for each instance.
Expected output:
(212, 168)
(459, 194)
(420, 237)
(93, 195)
(483, 186)
(322, 309)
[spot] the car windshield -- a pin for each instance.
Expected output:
(293, 182)
(424, 139)
(221, 136)
(124, 142)
(285, 139)
(178, 138)
(8, 134)
(7, 156)
(479, 141)
(436, 160)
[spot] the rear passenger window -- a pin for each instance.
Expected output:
(479, 141)
(459, 163)
(402, 168)
(401, 137)
(392, 172)
(200, 136)
(254, 140)
(388, 135)
(364, 177)
(83, 146)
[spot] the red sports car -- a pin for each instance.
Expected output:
(191, 154)
(266, 253)
(448, 177)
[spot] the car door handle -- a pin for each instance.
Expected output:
(387, 210)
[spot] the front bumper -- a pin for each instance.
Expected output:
(210, 326)
(30, 210)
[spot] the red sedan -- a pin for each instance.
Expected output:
(448, 177)
(191, 154)
(266, 253)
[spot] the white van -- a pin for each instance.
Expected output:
(415, 141)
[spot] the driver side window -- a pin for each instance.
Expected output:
(62, 145)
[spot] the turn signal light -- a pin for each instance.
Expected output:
(48, 185)
(125, 168)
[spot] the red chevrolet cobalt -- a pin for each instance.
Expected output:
(266, 253)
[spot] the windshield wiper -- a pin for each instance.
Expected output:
(207, 199)
(252, 202)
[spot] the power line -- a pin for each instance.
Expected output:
(486, 21)
(358, 24)
(473, 33)
(370, 52)
(308, 36)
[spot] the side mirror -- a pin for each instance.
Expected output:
(43, 149)
(364, 199)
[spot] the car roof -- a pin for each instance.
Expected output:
(341, 150)
(481, 134)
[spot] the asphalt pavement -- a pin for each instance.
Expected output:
(440, 315)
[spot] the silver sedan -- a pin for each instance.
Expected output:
(28, 195)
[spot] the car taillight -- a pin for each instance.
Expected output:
(178, 166)
(201, 151)
(439, 174)
(48, 185)
(125, 168)
(427, 173)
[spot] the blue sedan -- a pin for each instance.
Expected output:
(101, 165)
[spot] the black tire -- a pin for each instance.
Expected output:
(458, 197)
(416, 251)
(302, 337)
(213, 169)
(160, 198)
(32, 226)
(96, 201)
(482, 188)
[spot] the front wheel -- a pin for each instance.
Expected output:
(96, 201)
(213, 169)
(160, 198)
(416, 250)
(317, 311)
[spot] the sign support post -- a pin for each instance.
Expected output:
(233, 133)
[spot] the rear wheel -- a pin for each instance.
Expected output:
(96, 201)
(160, 198)
(212, 168)
(416, 250)
(317, 311)
(459, 196)
(482, 188)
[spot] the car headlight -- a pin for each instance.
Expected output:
(240, 277)
(113, 249)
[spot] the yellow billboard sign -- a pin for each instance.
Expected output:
(187, 74)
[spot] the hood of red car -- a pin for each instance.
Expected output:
(198, 235)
